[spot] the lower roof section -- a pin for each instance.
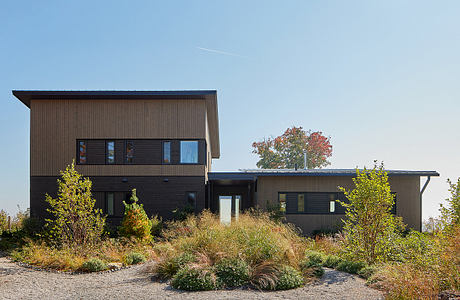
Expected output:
(252, 174)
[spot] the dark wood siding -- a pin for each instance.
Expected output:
(159, 196)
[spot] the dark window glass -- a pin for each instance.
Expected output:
(129, 152)
(191, 198)
(82, 152)
(110, 152)
(110, 203)
(300, 202)
(189, 152)
(167, 152)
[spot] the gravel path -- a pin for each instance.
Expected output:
(17, 282)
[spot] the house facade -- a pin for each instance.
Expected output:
(162, 143)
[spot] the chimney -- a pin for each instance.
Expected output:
(305, 159)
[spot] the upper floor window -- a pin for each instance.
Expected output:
(166, 152)
(110, 152)
(129, 152)
(82, 152)
(189, 152)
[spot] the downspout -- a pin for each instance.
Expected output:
(421, 193)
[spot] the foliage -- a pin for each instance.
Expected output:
(250, 249)
(315, 257)
(3, 221)
(332, 261)
(288, 278)
(232, 272)
(66, 258)
(286, 150)
(134, 258)
(157, 225)
(75, 222)
(352, 267)
(370, 227)
(135, 221)
(94, 265)
(367, 271)
(450, 214)
(182, 213)
(195, 279)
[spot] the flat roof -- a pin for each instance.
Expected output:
(25, 96)
(251, 174)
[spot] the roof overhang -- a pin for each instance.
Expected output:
(25, 96)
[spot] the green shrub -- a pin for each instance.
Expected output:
(157, 225)
(94, 265)
(134, 258)
(232, 272)
(315, 258)
(168, 267)
(312, 266)
(135, 221)
(367, 272)
(332, 261)
(194, 279)
(288, 278)
(352, 267)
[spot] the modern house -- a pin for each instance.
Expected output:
(162, 143)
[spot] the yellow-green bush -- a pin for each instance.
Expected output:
(135, 222)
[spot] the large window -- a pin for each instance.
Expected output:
(129, 152)
(82, 152)
(110, 152)
(167, 152)
(311, 203)
(189, 152)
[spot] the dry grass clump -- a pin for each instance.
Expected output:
(202, 242)
(40, 254)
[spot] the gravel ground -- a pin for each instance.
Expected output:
(17, 282)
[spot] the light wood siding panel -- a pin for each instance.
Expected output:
(57, 124)
(407, 189)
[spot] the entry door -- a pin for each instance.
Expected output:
(229, 206)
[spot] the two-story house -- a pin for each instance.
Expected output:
(162, 143)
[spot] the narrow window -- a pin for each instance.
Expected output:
(82, 152)
(129, 152)
(300, 202)
(331, 206)
(189, 152)
(166, 152)
(110, 204)
(191, 199)
(282, 202)
(110, 152)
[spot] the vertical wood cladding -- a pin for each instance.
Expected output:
(57, 124)
(407, 189)
(158, 195)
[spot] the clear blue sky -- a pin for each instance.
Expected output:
(381, 78)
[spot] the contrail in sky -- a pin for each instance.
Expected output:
(220, 52)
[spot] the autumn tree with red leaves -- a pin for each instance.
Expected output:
(286, 150)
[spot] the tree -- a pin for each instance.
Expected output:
(135, 221)
(370, 225)
(286, 150)
(450, 213)
(76, 222)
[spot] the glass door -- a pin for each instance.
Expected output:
(229, 206)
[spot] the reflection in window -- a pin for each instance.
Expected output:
(110, 152)
(129, 152)
(167, 152)
(110, 204)
(300, 203)
(189, 152)
(331, 206)
(282, 202)
(82, 152)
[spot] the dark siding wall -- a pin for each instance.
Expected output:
(158, 196)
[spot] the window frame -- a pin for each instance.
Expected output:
(197, 151)
(78, 152)
(304, 212)
(163, 152)
(107, 152)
